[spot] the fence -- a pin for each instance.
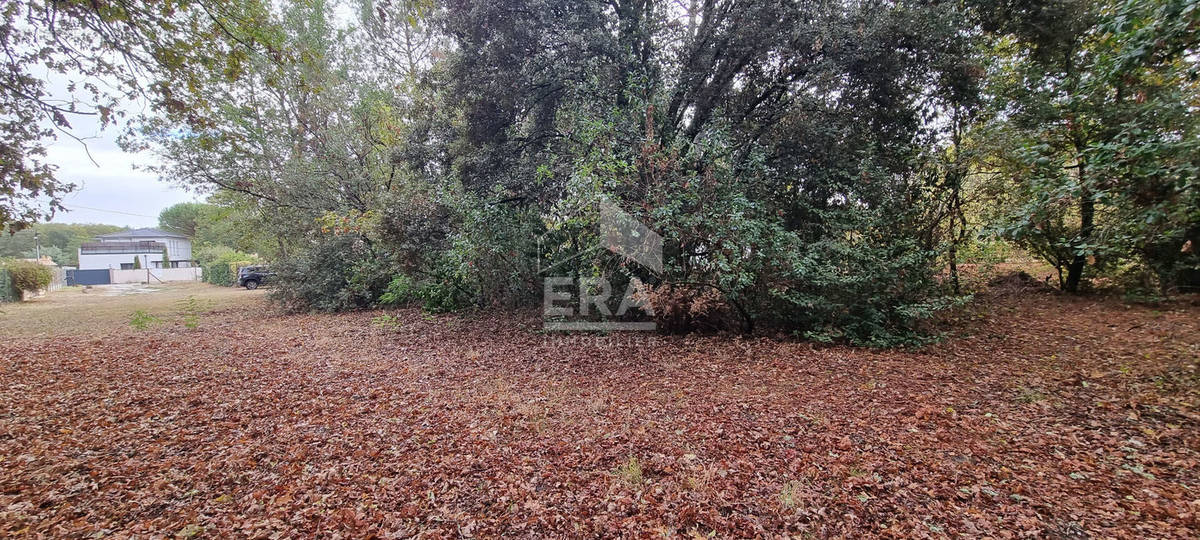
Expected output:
(7, 292)
(155, 275)
(58, 279)
(89, 277)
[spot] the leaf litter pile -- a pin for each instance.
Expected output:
(1039, 416)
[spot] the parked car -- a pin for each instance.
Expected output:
(251, 277)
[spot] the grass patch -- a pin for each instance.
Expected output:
(140, 320)
(1030, 395)
(104, 310)
(790, 494)
(630, 472)
(386, 322)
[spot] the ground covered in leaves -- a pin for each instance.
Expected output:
(1041, 415)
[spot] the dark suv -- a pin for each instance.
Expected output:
(251, 277)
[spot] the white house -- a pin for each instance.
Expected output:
(117, 250)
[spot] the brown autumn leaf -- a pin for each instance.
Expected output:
(300, 425)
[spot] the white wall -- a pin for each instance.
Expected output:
(155, 275)
(180, 249)
(95, 262)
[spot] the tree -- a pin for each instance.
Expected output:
(1035, 84)
(107, 52)
(225, 220)
(184, 218)
(137, 263)
(777, 146)
(305, 138)
(1092, 131)
(771, 143)
(1146, 72)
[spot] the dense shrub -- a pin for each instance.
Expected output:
(338, 272)
(28, 276)
(876, 292)
(219, 273)
(849, 268)
(804, 163)
(435, 296)
(1175, 260)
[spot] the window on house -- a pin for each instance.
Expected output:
(126, 266)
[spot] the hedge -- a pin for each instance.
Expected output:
(220, 264)
(222, 272)
(21, 276)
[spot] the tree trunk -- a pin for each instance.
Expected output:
(1087, 215)
(1087, 206)
(956, 175)
(955, 238)
(954, 268)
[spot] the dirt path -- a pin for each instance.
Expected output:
(1043, 416)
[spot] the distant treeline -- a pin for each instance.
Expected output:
(59, 241)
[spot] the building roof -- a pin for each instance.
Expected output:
(141, 233)
(113, 248)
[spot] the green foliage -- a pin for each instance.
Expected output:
(810, 168)
(400, 291)
(443, 297)
(137, 262)
(223, 221)
(987, 251)
(434, 296)
(1139, 284)
(462, 185)
(735, 259)
(341, 272)
(28, 276)
(219, 264)
(110, 52)
(869, 293)
(140, 320)
(1095, 138)
(190, 310)
(386, 322)
(184, 218)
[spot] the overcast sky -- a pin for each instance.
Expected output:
(111, 190)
